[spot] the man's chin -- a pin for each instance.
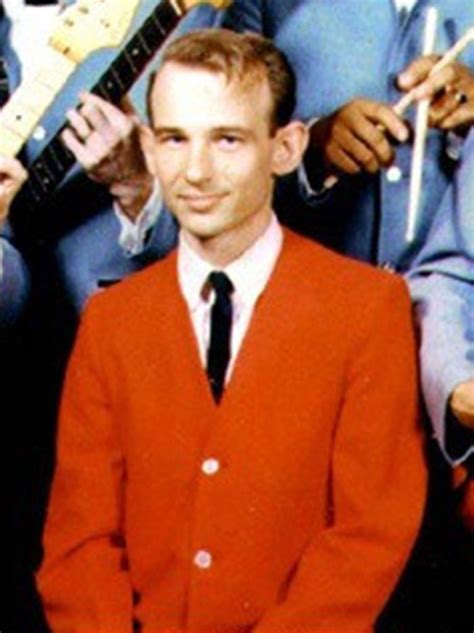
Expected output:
(204, 225)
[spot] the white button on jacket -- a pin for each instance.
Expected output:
(203, 559)
(210, 466)
(394, 174)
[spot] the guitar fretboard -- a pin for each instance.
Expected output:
(51, 166)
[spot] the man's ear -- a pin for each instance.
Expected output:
(291, 142)
(147, 142)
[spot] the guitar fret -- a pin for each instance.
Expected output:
(138, 56)
(101, 91)
(123, 69)
(43, 176)
(54, 157)
(105, 89)
(164, 17)
(130, 59)
(153, 31)
(49, 169)
(32, 191)
(117, 78)
(157, 23)
(59, 153)
(144, 44)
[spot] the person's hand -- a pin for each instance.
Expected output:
(12, 176)
(357, 137)
(450, 89)
(462, 403)
(105, 141)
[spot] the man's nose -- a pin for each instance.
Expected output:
(199, 163)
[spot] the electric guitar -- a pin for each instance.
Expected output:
(83, 28)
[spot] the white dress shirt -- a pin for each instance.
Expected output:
(132, 236)
(249, 275)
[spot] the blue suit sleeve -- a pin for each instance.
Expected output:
(442, 286)
(14, 283)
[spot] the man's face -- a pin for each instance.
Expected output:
(212, 151)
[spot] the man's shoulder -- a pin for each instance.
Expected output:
(328, 269)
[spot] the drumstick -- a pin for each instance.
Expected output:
(421, 127)
(468, 37)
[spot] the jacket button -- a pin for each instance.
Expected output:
(210, 466)
(203, 559)
(394, 174)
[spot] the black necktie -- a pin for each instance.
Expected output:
(218, 354)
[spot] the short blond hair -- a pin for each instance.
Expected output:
(247, 58)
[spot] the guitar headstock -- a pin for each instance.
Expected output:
(89, 25)
(217, 4)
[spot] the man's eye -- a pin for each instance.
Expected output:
(229, 140)
(172, 140)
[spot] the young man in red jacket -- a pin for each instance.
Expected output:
(284, 490)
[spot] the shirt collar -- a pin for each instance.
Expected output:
(249, 273)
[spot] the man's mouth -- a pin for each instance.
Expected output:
(201, 201)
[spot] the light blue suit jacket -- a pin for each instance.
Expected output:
(344, 49)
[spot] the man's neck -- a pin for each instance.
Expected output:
(221, 250)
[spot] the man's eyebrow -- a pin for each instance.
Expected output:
(220, 129)
(229, 129)
(167, 130)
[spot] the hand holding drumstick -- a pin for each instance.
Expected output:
(358, 137)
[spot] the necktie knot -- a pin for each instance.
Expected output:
(221, 283)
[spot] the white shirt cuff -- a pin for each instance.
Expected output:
(133, 235)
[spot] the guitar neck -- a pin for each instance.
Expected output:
(51, 166)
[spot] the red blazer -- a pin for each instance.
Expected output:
(318, 494)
